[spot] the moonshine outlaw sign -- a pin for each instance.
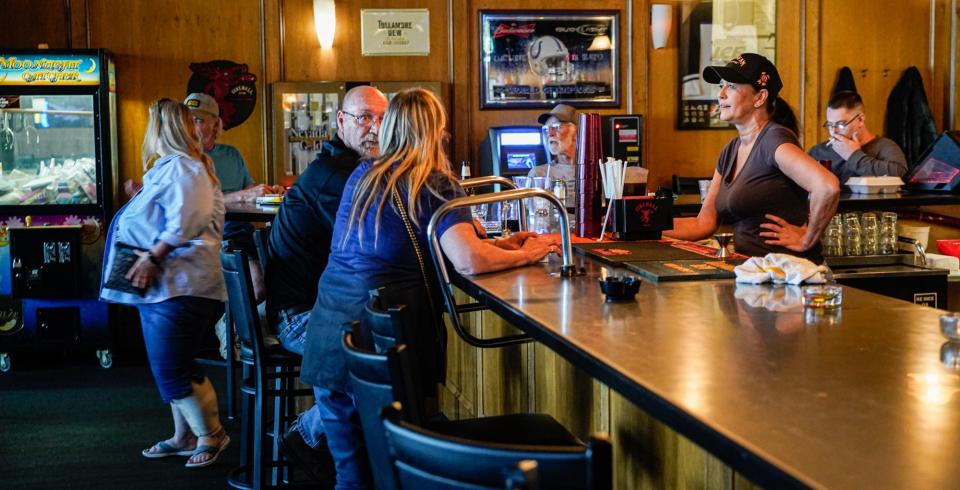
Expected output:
(395, 32)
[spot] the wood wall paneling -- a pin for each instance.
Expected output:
(154, 46)
(304, 59)
(27, 23)
(877, 51)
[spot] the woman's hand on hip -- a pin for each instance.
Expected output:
(784, 234)
(143, 273)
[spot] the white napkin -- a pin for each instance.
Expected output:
(781, 269)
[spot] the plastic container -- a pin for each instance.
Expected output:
(874, 185)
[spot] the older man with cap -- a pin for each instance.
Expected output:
(560, 129)
(235, 181)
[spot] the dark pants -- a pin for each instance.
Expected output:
(341, 423)
(171, 331)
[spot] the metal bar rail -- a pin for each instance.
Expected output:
(489, 180)
(567, 270)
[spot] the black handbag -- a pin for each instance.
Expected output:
(430, 344)
(123, 259)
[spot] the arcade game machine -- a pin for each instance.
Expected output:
(57, 195)
(510, 151)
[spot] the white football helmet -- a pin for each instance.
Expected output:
(549, 58)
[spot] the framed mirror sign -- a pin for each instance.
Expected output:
(540, 59)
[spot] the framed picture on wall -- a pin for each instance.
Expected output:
(540, 59)
(713, 33)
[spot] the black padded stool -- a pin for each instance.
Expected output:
(378, 379)
(269, 374)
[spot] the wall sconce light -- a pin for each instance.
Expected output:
(325, 21)
(661, 20)
(600, 43)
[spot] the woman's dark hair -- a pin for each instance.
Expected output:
(782, 114)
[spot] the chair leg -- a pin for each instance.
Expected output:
(248, 411)
(259, 430)
(231, 365)
(277, 399)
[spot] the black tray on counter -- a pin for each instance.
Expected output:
(684, 270)
(619, 253)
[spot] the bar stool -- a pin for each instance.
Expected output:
(379, 379)
(425, 458)
(268, 382)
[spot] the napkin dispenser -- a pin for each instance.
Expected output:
(641, 217)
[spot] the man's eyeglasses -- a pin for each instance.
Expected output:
(841, 126)
(364, 120)
(553, 128)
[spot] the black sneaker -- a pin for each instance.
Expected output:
(316, 462)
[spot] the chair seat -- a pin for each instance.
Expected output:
(533, 429)
(273, 354)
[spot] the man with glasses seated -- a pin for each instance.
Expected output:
(299, 245)
(852, 150)
(560, 131)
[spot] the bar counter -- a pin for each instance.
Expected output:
(858, 398)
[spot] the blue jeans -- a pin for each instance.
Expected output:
(292, 331)
(171, 332)
(336, 413)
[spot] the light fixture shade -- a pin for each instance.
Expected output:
(600, 43)
(325, 21)
(661, 20)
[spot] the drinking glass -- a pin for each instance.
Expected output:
(833, 237)
(888, 233)
(510, 216)
(851, 235)
(869, 234)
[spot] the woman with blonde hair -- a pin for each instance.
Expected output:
(385, 201)
(171, 232)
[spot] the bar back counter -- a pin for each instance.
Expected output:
(711, 384)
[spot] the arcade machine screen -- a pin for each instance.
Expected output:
(47, 150)
(518, 155)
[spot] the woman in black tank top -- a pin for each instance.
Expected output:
(775, 196)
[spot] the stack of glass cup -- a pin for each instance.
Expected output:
(860, 234)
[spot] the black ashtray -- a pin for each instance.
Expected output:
(620, 288)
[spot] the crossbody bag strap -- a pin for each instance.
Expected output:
(416, 246)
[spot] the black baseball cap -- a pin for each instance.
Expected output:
(748, 68)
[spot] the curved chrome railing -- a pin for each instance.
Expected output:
(567, 270)
(489, 180)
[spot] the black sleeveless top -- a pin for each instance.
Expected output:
(760, 188)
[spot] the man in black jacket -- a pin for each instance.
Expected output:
(299, 245)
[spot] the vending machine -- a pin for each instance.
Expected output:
(58, 191)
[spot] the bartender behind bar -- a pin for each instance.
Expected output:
(560, 127)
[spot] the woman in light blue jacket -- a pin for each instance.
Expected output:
(176, 223)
